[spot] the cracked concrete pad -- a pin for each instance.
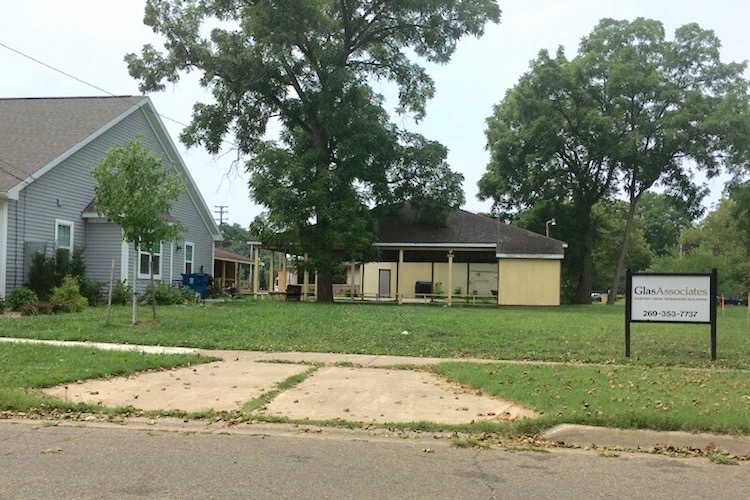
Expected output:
(222, 386)
(387, 396)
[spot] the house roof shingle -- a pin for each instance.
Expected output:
(465, 228)
(36, 131)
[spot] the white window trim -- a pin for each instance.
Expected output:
(184, 258)
(72, 226)
(161, 262)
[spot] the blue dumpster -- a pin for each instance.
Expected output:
(197, 282)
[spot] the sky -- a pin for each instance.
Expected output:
(89, 38)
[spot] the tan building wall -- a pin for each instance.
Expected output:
(411, 273)
(459, 276)
(529, 282)
(371, 277)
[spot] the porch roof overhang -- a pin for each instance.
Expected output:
(227, 256)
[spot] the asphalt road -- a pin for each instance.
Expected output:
(91, 461)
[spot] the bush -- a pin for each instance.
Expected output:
(20, 296)
(92, 290)
(2, 306)
(41, 275)
(121, 293)
(29, 308)
(69, 295)
(165, 295)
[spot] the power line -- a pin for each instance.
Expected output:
(46, 65)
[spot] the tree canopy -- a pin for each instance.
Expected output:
(310, 65)
(631, 110)
(136, 192)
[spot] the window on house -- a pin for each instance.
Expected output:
(64, 235)
(149, 259)
(188, 257)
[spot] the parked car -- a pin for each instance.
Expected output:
(596, 296)
(730, 301)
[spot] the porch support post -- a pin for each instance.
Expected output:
(305, 281)
(399, 275)
(270, 286)
(351, 287)
(256, 264)
(450, 277)
(498, 281)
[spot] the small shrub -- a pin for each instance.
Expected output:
(57, 306)
(68, 293)
(121, 293)
(164, 295)
(29, 308)
(214, 290)
(92, 290)
(2, 306)
(20, 296)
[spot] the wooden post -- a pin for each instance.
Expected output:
(109, 295)
(305, 281)
(351, 289)
(256, 263)
(399, 274)
(450, 277)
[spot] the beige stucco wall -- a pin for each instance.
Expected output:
(411, 273)
(529, 282)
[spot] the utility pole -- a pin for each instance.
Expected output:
(222, 210)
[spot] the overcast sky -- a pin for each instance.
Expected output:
(88, 39)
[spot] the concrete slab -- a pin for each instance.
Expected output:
(387, 396)
(221, 386)
(319, 357)
(585, 435)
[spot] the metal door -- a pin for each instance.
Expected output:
(384, 282)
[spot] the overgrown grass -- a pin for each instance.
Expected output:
(591, 334)
(25, 367)
(624, 397)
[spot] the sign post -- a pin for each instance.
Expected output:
(671, 298)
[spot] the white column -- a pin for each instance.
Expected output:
(256, 263)
(305, 281)
(450, 277)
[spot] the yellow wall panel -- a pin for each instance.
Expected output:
(532, 282)
(413, 272)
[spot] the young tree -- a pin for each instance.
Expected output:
(627, 112)
(310, 65)
(135, 191)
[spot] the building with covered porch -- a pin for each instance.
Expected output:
(471, 257)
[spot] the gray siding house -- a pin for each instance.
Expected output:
(47, 148)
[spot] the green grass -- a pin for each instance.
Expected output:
(624, 397)
(26, 367)
(591, 334)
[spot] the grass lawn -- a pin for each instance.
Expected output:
(25, 367)
(654, 389)
(623, 397)
(590, 334)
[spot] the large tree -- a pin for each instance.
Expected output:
(631, 110)
(135, 190)
(310, 64)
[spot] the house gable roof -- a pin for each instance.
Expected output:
(37, 134)
(466, 229)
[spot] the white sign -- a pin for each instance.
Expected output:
(671, 298)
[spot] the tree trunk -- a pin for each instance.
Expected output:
(135, 283)
(324, 284)
(586, 276)
(612, 295)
